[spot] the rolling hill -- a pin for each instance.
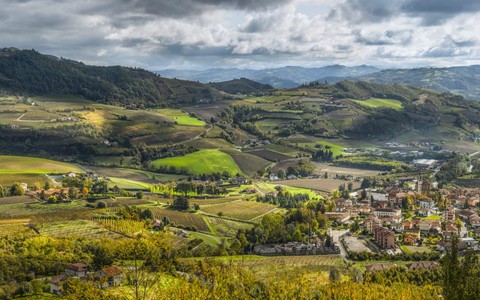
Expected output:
(29, 72)
(460, 80)
(285, 77)
(241, 86)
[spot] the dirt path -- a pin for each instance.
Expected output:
(19, 119)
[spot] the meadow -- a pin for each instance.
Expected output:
(380, 103)
(32, 165)
(180, 117)
(205, 161)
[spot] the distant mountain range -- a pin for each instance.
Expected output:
(285, 77)
(464, 81)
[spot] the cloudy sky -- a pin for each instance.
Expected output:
(199, 34)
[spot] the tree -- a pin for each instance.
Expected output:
(101, 204)
(16, 190)
(282, 174)
(100, 187)
(139, 195)
(334, 275)
(52, 199)
(181, 203)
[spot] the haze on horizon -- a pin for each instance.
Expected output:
(200, 34)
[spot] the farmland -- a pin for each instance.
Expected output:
(202, 162)
(249, 164)
(333, 170)
(269, 155)
(182, 218)
(180, 117)
(381, 103)
(242, 210)
(79, 228)
(33, 165)
(324, 185)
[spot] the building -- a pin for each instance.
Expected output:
(110, 276)
(56, 283)
(76, 270)
(419, 265)
(387, 212)
(425, 164)
(384, 237)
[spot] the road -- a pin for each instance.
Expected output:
(336, 235)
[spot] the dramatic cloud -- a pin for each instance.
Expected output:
(158, 34)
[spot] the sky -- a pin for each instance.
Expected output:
(201, 34)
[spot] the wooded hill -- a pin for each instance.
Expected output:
(31, 73)
(241, 86)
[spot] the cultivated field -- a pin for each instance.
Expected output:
(32, 165)
(242, 210)
(324, 185)
(377, 102)
(345, 171)
(225, 227)
(249, 164)
(202, 162)
(180, 117)
(269, 155)
(80, 228)
(182, 218)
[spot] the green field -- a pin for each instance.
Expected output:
(128, 184)
(377, 103)
(335, 148)
(202, 162)
(180, 117)
(33, 165)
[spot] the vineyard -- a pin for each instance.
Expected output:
(80, 228)
(15, 200)
(181, 218)
(14, 227)
(242, 210)
(227, 227)
(126, 227)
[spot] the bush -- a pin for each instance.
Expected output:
(101, 204)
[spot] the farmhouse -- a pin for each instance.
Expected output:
(378, 267)
(56, 283)
(107, 277)
(76, 270)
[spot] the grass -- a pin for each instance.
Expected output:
(335, 148)
(270, 187)
(202, 162)
(127, 183)
(433, 217)
(242, 210)
(30, 179)
(249, 164)
(180, 117)
(380, 103)
(324, 185)
(33, 165)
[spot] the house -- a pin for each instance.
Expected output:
(476, 232)
(24, 186)
(110, 276)
(424, 164)
(410, 239)
(56, 283)
(157, 225)
(407, 224)
(384, 237)
(371, 222)
(423, 212)
(464, 214)
(419, 265)
(182, 233)
(474, 220)
(291, 176)
(425, 225)
(239, 180)
(469, 241)
(273, 177)
(76, 270)
(378, 267)
(387, 212)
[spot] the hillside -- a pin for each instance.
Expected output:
(459, 80)
(241, 86)
(285, 77)
(29, 72)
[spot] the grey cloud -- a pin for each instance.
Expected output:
(450, 48)
(365, 11)
(389, 37)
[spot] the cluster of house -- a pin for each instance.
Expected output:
(383, 215)
(104, 278)
(252, 143)
(297, 248)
